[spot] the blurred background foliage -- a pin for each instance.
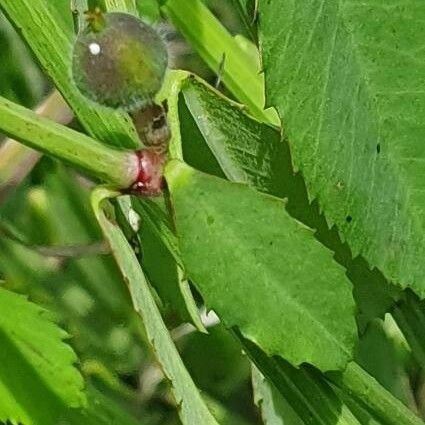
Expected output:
(52, 249)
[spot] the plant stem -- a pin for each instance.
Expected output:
(117, 167)
(359, 385)
(17, 160)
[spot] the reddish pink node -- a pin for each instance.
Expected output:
(150, 180)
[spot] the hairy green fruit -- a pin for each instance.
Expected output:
(120, 63)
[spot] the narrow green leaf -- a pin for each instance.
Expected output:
(409, 314)
(192, 408)
(229, 250)
(21, 80)
(121, 6)
(275, 410)
(306, 390)
(363, 415)
(148, 10)
(365, 390)
(247, 10)
(157, 260)
(38, 380)
(350, 93)
(316, 401)
(386, 358)
(238, 70)
(50, 34)
(155, 217)
(115, 166)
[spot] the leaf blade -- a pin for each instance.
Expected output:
(352, 105)
(233, 223)
(38, 380)
(192, 408)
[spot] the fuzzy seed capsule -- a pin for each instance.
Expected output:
(120, 62)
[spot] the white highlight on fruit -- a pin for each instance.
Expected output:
(94, 49)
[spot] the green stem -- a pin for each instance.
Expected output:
(16, 160)
(117, 167)
(363, 388)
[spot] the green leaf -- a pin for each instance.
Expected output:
(246, 151)
(121, 5)
(192, 409)
(159, 264)
(317, 401)
(381, 353)
(409, 314)
(275, 410)
(305, 390)
(50, 34)
(350, 93)
(148, 10)
(85, 293)
(38, 379)
(21, 80)
(219, 138)
(230, 250)
(247, 10)
(367, 392)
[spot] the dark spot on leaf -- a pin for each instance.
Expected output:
(378, 148)
(210, 220)
(348, 219)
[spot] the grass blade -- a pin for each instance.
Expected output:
(192, 408)
(238, 70)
